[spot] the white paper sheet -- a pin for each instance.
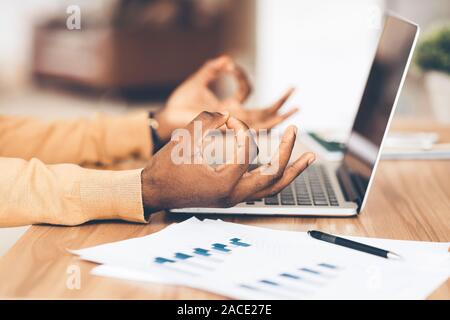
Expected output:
(247, 262)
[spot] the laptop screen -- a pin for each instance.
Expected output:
(380, 94)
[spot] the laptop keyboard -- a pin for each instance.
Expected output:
(311, 188)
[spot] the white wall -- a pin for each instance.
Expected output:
(14, 44)
(322, 47)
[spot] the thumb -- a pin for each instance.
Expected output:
(201, 126)
(209, 120)
(213, 68)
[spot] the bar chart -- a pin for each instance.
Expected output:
(199, 260)
(296, 283)
(202, 262)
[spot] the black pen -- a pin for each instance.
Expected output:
(353, 245)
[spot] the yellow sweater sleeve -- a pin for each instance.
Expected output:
(66, 194)
(104, 139)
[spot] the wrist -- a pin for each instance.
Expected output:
(163, 129)
(153, 123)
(149, 196)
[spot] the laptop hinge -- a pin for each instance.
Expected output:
(350, 191)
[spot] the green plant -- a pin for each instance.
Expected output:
(433, 53)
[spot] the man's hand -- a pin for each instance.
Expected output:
(194, 96)
(167, 185)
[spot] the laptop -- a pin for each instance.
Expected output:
(342, 188)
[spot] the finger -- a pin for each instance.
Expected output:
(209, 120)
(223, 128)
(244, 87)
(280, 102)
(265, 176)
(245, 144)
(241, 148)
(291, 172)
(281, 158)
(225, 64)
(275, 120)
(213, 68)
(200, 127)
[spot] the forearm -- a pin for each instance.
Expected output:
(103, 139)
(32, 192)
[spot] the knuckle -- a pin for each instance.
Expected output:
(216, 114)
(206, 114)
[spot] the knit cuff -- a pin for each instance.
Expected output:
(112, 195)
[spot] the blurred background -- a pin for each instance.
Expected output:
(130, 54)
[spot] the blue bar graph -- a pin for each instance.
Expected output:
(187, 259)
(290, 276)
(221, 247)
(201, 252)
(310, 271)
(294, 283)
(327, 265)
(291, 284)
(238, 242)
(172, 265)
(182, 256)
(269, 282)
(162, 260)
(205, 258)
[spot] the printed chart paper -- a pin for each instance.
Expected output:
(248, 262)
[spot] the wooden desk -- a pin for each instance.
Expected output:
(410, 200)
